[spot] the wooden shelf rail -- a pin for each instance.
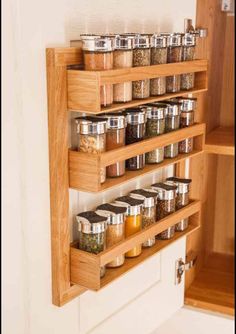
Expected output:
(220, 141)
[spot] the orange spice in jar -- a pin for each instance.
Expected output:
(98, 56)
(133, 221)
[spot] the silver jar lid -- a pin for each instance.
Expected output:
(173, 108)
(182, 184)
(98, 44)
(164, 191)
(123, 42)
(88, 125)
(114, 213)
(133, 206)
(135, 116)
(187, 104)
(149, 198)
(89, 36)
(158, 41)
(174, 40)
(141, 41)
(188, 39)
(115, 120)
(90, 222)
(155, 111)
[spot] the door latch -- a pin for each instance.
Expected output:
(181, 267)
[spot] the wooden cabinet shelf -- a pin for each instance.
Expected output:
(85, 267)
(83, 87)
(84, 169)
(220, 141)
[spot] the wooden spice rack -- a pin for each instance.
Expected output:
(85, 267)
(70, 89)
(84, 86)
(84, 169)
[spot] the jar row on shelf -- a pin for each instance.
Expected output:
(106, 52)
(111, 223)
(114, 130)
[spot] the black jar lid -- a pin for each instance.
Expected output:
(91, 125)
(135, 115)
(165, 191)
(114, 213)
(133, 206)
(149, 197)
(90, 222)
(182, 184)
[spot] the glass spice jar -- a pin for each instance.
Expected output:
(172, 120)
(115, 228)
(158, 56)
(133, 220)
(187, 108)
(155, 126)
(189, 44)
(135, 132)
(149, 210)
(174, 55)
(141, 57)
(182, 198)
(92, 137)
(115, 138)
(171, 151)
(98, 56)
(92, 233)
(123, 58)
(166, 195)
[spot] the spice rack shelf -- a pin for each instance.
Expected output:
(84, 169)
(220, 141)
(83, 87)
(85, 267)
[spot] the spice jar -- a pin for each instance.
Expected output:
(166, 195)
(189, 44)
(155, 126)
(92, 233)
(172, 119)
(115, 138)
(135, 132)
(158, 56)
(98, 56)
(92, 137)
(133, 220)
(182, 198)
(123, 58)
(149, 210)
(174, 55)
(187, 108)
(115, 228)
(141, 57)
(171, 151)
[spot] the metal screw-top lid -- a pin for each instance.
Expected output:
(114, 213)
(89, 36)
(155, 111)
(187, 103)
(182, 184)
(165, 191)
(90, 222)
(158, 41)
(133, 206)
(135, 116)
(188, 39)
(115, 120)
(91, 125)
(124, 42)
(148, 197)
(141, 41)
(173, 39)
(98, 44)
(173, 108)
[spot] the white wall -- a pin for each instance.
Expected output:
(29, 27)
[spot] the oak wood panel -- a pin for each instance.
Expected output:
(83, 264)
(220, 141)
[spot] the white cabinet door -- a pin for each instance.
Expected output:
(139, 301)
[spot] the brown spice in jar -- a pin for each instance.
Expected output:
(173, 84)
(158, 86)
(115, 139)
(141, 57)
(186, 145)
(141, 89)
(187, 81)
(115, 233)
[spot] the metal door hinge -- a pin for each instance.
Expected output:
(198, 32)
(181, 267)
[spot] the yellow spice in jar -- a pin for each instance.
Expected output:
(133, 224)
